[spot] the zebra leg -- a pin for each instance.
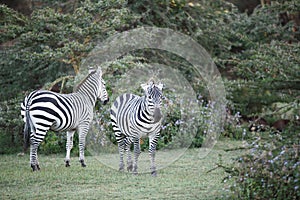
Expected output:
(36, 137)
(33, 156)
(152, 150)
(121, 147)
(69, 146)
(129, 161)
(82, 135)
(137, 152)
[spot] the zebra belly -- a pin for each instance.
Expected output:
(146, 131)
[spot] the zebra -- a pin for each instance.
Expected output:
(134, 117)
(44, 110)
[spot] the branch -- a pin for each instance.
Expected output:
(283, 85)
(236, 149)
(60, 79)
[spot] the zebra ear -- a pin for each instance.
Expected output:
(151, 82)
(99, 70)
(144, 86)
(160, 86)
(91, 69)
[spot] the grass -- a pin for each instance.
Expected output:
(186, 178)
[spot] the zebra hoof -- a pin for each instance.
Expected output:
(129, 168)
(68, 163)
(135, 173)
(82, 163)
(35, 167)
(154, 173)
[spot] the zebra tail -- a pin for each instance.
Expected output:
(27, 129)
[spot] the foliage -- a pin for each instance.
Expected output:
(53, 143)
(12, 24)
(257, 55)
(11, 139)
(259, 62)
(270, 169)
(250, 51)
(52, 44)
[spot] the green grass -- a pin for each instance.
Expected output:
(186, 178)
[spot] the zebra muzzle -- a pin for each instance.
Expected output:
(106, 101)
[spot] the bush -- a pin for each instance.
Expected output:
(53, 143)
(11, 127)
(271, 170)
(257, 54)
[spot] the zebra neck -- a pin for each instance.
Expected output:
(150, 110)
(146, 108)
(86, 93)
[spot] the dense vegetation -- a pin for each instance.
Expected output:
(257, 54)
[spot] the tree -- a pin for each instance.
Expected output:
(257, 54)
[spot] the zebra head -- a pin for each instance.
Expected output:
(102, 94)
(154, 96)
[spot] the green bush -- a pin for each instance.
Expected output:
(53, 143)
(257, 56)
(271, 169)
(11, 127)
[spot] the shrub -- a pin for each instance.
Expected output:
(11, 127)
(256, 54)
(53, 143)
(271, 170)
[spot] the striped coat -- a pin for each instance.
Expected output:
(134, 117)
(44, 110)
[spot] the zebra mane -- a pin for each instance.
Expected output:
(83, 81)
(151, 80)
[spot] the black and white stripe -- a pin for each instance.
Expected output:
(44, 110)
(134, 117)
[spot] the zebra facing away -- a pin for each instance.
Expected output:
(133, 117)
(44, 110)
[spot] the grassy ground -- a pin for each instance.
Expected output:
(186, 178)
